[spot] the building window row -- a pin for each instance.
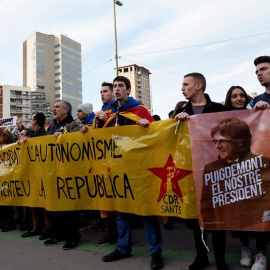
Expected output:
(71, 90)
(71, 97)
(71, 69)
(71, 56)
(74, 105)
(40, 50)
(68, 75)
(40, 58)
(67, 48)
(68, 55)
(39, 43)
(40, 65)
(68, 68)
(72, 76)
(67, 61)
(70, 83)
(40, 72)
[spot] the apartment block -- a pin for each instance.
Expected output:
(140, 83)
(39, 104)
(52, 65)
(16, 101)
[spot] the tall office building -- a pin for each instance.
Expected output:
(140, 83)
(52, 64)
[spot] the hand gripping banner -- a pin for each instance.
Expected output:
(146, 171)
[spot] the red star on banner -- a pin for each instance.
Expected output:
(109, 170)
(90, 170)
(170, 173)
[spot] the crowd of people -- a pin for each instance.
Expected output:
(119, 109)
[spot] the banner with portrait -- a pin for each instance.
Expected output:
(231, 164)
(145, 171)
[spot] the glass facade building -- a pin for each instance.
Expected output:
(52, 65)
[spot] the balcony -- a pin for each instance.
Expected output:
(20, 96)
(22, 105)
(15, 111)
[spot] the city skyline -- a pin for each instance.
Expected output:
(176, 38)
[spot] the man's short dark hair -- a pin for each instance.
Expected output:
(170, 113)
(66, 105)
(27, 131)
(199, 78)
(261, 59)
(124, 80)
(235, 129)
(40, 118)
(110, 85)
(156, 117)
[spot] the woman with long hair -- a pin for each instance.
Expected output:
(237, 98)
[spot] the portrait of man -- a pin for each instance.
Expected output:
(236, 186)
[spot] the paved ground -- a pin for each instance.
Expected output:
(178, 250)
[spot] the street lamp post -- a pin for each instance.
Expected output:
(116, 2)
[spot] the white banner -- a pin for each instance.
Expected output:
(8, 122)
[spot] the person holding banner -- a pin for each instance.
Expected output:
(38, 215)
(193, 88)
(107, 97)
(262, 64)
(6, 212)
(65, 224)
(238, 99)
(127, 111)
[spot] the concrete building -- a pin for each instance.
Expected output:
(16, 101)
(52, 65)
(252, 94)
(39, 104)
(140, 83)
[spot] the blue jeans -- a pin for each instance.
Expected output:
(152, 231)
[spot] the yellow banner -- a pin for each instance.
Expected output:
(128, 169)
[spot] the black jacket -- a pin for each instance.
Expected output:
(59, 127)
(209, 107)
(40, 132)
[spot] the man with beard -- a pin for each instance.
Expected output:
(65, 224)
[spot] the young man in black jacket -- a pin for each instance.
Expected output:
(193, 88)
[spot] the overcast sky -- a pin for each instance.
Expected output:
(186, 31)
